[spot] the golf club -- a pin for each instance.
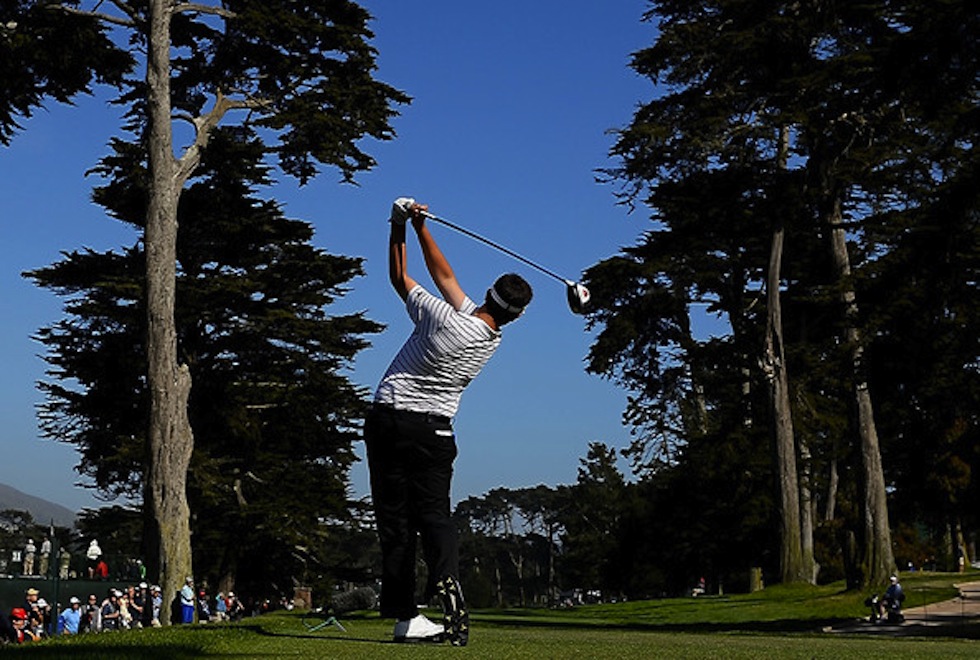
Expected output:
(578, 296)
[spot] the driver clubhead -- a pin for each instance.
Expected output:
(578, 297)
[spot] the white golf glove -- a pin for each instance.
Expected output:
(401, 210)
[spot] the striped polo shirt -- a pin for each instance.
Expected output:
(446, 351)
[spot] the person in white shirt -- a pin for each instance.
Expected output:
(29, 551)
(409, 434)
(92, 556)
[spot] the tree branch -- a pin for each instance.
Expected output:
(203, 126)
(126, 8)
(99, 16)
(192, 7)
(186, 116)
(249, 104)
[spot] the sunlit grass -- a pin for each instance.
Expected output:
(780, 622)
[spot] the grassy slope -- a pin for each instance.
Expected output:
(780, 622)
(777, 608)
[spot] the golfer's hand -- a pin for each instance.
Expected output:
(418, 214)
(401, 210)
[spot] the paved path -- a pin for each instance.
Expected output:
(959, 617)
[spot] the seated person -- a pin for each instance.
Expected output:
(892, 600)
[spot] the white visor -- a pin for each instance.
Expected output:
(513, 309)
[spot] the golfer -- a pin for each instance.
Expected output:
(409, 434)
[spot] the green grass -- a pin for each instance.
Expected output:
(780, 622)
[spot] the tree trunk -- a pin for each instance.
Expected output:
(498, 586)
(962, 552)
(553, 594)
(517, 559)
(807, 513)
(790, 551)
(877, 561)
(169, 436)
(791, 561)
(832, 485)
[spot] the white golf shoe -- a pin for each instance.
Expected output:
(419, 629)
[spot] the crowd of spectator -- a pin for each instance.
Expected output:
(45, 561)
(138, 606)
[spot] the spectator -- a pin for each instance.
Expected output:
(143, 606)
(18, 619)
(91, 616)
(135, 606)
(39, 618)
(125, 614)
(102, 570)
(45, 556)
(892, 600)
(29, 551)
(64, 563)
(110, 611)
(92, 555)
(70, 620)
(236, 610)
(157, 595)
(203, 607)
(221, 607)
(30, 598)
(187, 601)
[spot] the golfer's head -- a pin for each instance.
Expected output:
(508, 297)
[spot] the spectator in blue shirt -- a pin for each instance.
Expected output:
(187, 604)
(69, 619)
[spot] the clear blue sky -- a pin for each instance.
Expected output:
(512, 106)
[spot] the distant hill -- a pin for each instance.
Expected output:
(42, 510)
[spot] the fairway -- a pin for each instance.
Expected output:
(283, 635)
(778, 622)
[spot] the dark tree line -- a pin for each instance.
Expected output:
(273, 412)
(810, 174)
(298, 80)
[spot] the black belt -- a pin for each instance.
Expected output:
(411, 414)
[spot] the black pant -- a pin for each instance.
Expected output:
(410, 457)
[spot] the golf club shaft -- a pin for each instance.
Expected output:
(500, 248)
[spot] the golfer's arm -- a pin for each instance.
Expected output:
(398, 261)
(438, 266)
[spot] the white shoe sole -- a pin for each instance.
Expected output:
(438, 638)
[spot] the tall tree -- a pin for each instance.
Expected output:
(794, 535)
(707, 149)
(865, 143)
(301, 72)
(591, 519)
(271, 406)
(923, 365)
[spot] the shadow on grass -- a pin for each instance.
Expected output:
(770, 627)
(135, 650)
(935, 626)
(331, 634)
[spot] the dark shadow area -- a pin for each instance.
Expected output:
(777, 626)
(327, 635)
(941, 625)
(134, 650)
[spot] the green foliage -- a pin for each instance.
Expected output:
(591, 517)
(868, 134)
(46, 53)
(272, 410)
(303, 70)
